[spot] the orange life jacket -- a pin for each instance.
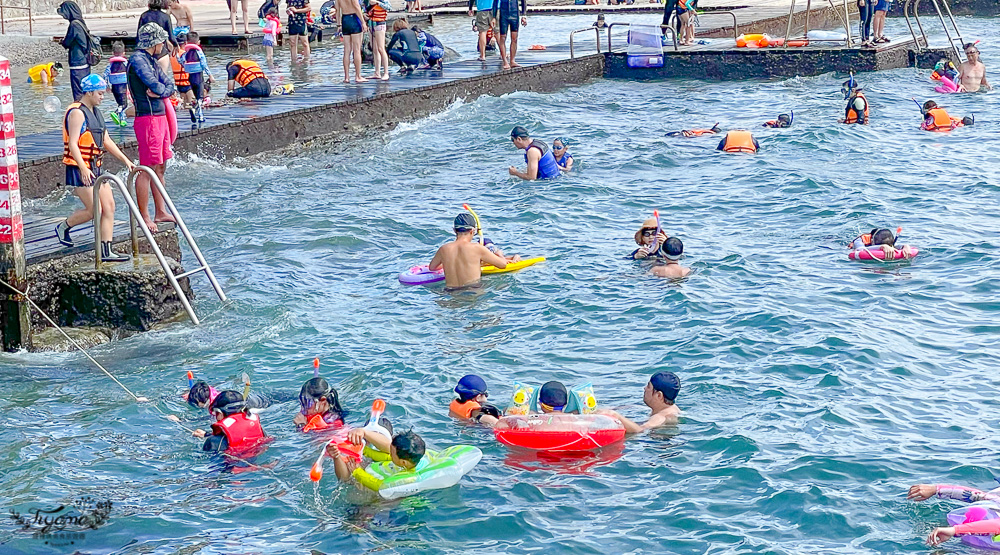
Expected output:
(699, 132)
(248, 72)
(852, 114)
(180, 76)
(377, 13)
(463, 410)
(739, 141)
(942, 122)
(91, 141)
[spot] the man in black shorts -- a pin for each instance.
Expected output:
(509, 14)
(297, 12)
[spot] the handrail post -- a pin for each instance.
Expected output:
(805, 31)
(788, 27)
(847, 23)
(951, 41)
(98, 183)
(916, 17)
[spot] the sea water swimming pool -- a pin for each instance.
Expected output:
(815, 390)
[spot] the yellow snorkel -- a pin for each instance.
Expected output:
(479, 227)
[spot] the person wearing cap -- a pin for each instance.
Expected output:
(78, 42)
(471, 402)
(857, 105)
(150, 87)
(671, 251)
(462, 259)
(540, 160)
(236, 428)
(85, 139)
(553, 397)
(563, 158)
(600, 23)
(649, 238)
(659, 395)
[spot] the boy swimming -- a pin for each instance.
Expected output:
(471, 402)
(671, 250)
(406, 450)
(462, 259)
(659, 395)
(236, 428)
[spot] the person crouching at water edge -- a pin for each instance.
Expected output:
(44, 73)
(85, 139)
(236, 428)
(937, 119)
(671, 251)
(659, 395)
(462, 259)
(471, 402)
(540, 160)
(319, 406)
(649, 238)
(250, 80)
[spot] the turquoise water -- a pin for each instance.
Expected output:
(815, 390)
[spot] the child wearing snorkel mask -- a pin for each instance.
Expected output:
(319, 406)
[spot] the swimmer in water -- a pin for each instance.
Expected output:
(406, 449)
(671, 250)
(462, 259)
(649, 238)
(235, 426)
(553, 397)
(784, 121)
(563, 158)
(600, 23)
(319, 406)
(937, 119)
(201, 395)
(879, 239)
(471, 402)
(857, 105)
(972, 72)
(941, 534)
(541, 163)
(659, 395)
(695, 132)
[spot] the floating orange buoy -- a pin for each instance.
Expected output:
(537, 47)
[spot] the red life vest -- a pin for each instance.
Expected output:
(464, 410)
(941, 121)
(317, 422)
(241, 431)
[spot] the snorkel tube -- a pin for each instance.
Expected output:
(378, 407)
(190, 380)
(656, 238)
(479, 226)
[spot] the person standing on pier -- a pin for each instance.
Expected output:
(297, 11)
(77, 41)
(510, 14)
(85, 140)
(484, 22)
(151, 89)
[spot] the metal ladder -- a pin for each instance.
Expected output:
(135, 218)
(921, 41)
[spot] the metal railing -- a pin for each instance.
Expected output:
(597, 41)
(135, 219)
(923, 35)
(3, 19)
(736, 26)
(673, 33)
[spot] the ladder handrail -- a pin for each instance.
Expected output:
(662, 28)
(906, 18)
(916, 17)
(155, 180)
(134, 211)
(955, 25)
(597, 33)
(951, 41)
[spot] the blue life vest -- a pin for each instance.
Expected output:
(117, 75)
(192, 61)
(547, 167)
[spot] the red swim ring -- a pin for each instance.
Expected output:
(559, 432)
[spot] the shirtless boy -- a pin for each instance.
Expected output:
(671, 251)
(462, 259)
(182, 14)
(972, 72)
(659, 396)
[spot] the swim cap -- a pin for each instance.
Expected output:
(92, 82)
(465, 222)
(672, 249)
(470, 386)
(229, 402)
(666, 383)
(553, 394)
(519, 133)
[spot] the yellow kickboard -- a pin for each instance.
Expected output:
(513, 266)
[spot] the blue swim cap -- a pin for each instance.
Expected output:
(666, 383)
(553, 394)
(470, 386)
(465, 222)
(92, 82)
